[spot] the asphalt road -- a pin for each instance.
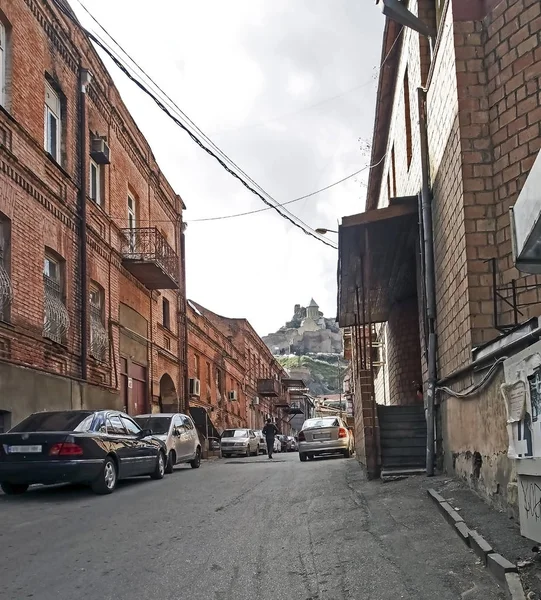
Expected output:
(237, 529)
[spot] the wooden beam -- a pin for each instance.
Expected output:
(380, 214)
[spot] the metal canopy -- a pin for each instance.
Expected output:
(377, 262)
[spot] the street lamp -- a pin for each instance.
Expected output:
(323, 231)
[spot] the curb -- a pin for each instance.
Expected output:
(502, 570)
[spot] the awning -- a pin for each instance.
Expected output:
(202, 422)
(377, 262)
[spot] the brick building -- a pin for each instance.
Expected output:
(229, 360)
(468, 114)
(91, 277)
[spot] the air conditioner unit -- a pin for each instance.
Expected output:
(99, 151)
(195, 387)
(232, 395)
(256, 401)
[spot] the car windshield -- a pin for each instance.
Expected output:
(323, 422)
(240, 433)
(56, 421)
(158, 425)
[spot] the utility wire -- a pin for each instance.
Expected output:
(251, 212)
(222, 161)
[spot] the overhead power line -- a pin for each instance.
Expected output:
(252, 212)
(215, 152)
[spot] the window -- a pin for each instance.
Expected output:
(99, 340)
(219, 381)
(3, 64)
(6, 290)
(196, 365)
(440, 5)
(115, 426)
(208, 373)
(55, 319)
(52, 122)
(166, 343)
(407, 113)
(95, 191)
(393, 164)
(133, 428)
(132, 221)
(166, 318)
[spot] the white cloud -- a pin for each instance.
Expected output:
(254, 74)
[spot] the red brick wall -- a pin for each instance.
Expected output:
(403, 353)
(39, 196)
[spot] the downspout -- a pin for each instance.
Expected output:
(184, 309)
(85, 78)
(430, 283)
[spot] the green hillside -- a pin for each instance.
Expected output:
(320, 372)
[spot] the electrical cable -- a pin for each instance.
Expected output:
(251, 212)
(300, 225)
(476, 388)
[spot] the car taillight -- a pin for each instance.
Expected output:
(342, 433)
(65, 449)
(302, 437)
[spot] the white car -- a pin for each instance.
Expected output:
(277, 445)
(239, 441)
(179, 434)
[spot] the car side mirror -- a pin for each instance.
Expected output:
(145, 433)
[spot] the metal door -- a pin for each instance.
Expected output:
(137, 384)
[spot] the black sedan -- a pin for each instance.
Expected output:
(78, 446)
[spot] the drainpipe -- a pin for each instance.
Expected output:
(85, 77)
(184, 309)
(430, 283)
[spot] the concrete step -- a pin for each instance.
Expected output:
(404, 442)
(390, 473)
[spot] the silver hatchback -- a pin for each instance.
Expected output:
(325, 435)
(179, 434)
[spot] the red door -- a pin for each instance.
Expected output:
(138, 379)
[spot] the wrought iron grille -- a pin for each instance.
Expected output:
(6, 290)
(56, 320)
(99, 340)
(148, 244)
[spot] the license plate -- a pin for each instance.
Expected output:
(24, 449)
(322, 437)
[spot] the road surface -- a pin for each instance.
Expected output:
(236, 529)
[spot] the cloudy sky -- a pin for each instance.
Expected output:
(286, 89)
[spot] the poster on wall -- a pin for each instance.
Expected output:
(522, 395)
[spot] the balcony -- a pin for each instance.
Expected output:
(269, 388)
(149, 258)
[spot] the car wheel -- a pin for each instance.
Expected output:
(107, 479)
(171, 461)
(303, 457)
(159, 470)
(14, 489)
(347, 453)
(224, 455)
(248, 453)
(196, 462)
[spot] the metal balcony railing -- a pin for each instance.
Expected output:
(149, 258)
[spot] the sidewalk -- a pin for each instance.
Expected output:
(501, 532)
(413, 539)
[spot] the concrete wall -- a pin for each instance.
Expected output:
(24, 391)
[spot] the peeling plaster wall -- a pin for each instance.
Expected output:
(476, 442)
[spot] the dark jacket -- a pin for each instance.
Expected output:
(270, 430)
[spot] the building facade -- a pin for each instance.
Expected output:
(456, 133)
(92, 310)
(230, 362)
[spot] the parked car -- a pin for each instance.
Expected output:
(179, 435)
(78, 446)
(285, 442)
(292, 444)
(239, 441)
(262, 441)
(277, 445)
(325, 435)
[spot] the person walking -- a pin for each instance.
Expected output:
(270, 431)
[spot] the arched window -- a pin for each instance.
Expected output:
(56, 320)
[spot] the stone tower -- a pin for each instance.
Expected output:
(312, 312)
